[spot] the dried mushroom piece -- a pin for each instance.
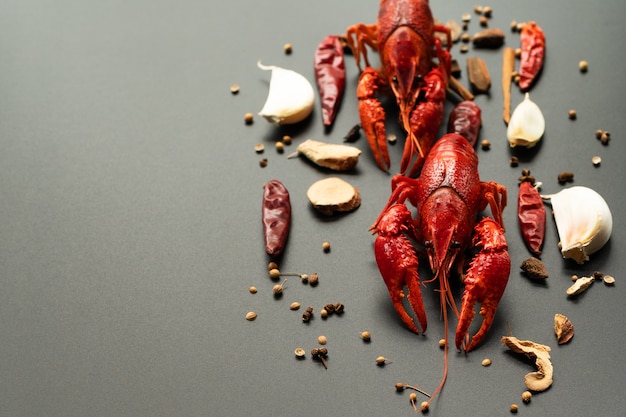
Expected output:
(563, 328)
(542, 379)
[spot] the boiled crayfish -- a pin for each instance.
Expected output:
(404, 37)
(448, 196)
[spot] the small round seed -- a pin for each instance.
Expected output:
(277, 290)
(424, 406)
(463, 49)
(513, 26)
(572, 114)
(514, 161)
(366, 336)
(263, 162)
(526, 396)
(466, 17)
(253, 290)
(313, 279)
(280, 147)
(485, 144)
(248, 118)
(518, 52)
(259, 148)
(274, 273)
(300, 353)
(288, 48)
(412, 397)
(487, 11)
(609, 280)
(392, 138)
(322, 340)
(399, 386)
(234, 88)
(514, 408)
(478, 9)
(486, 362)
(326, 246)
(442, 343)
(272, 265)
(465, 37)
(287, 140)
(251, 315)
(381, 361)
(583, 66)
(294, 306)
(483, 21)
(596, 160)
(324, 313)
(574, 278)
(605, 137)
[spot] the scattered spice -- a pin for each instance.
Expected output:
(413, 399)
(326, 246)
(332, 195)
(572, 114)
(508, 67)
(280, 147)
(253, 290)
(259, 148)
(324, 313)
(307, 315)
(234, 89)
(514, 408)
(526, 396)
(565, 176)
(583, 66)
(487, 11)
(287, 140)
(382, 361)
(251, 316)
(485, 144)
(463, 49)
(392, 138)
(563, 328)
(466, 38)
(263, 163)
(366, 336)
(513, 26)
(580, 285)
(330, 74)
(248, 118)
(313, 280)
(277, 290)
(533, 50)
(479, 77)
(531, 214)
(276, 216)
(597, 275)
(488, 38)
(514, 161)
(322, 340)
(609, 279)
(605, 138)
(353, 134)
(465, 119)
(288, 48)
(534, 268)
(424, 406)
(442, 343)
(486, 362)
(483, 21)
(272, 265)
(535, 381)
(295, 306)
(466, 17)
(300, 353)
(596, 160)
(320, 354)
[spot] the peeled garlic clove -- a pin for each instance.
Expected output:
(583, 220)
(290, 99)
(527, 124)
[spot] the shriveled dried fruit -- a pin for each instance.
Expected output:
(534, 268)
(563, 328)
(580, 285)
(542, 379)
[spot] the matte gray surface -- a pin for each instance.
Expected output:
(130, 225)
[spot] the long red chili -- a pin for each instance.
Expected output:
(276, 217)
(330, 74)
(531, 213)
(533, 50)
(465, 119)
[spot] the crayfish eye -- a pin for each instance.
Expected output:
(428, 244)
(456, 244)
(394, 80)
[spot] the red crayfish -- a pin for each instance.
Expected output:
(448, 196)
(404, 37)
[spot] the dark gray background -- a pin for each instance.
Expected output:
(130, 224)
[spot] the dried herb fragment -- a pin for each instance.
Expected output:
(563, 328)
(542, 379)
(534, 269)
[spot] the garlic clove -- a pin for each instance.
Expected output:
(290, 99)
(527, 124)
(583, 221)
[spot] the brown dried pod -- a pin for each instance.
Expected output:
(565, 176)
(563, 328)
(534, 268)
(488, 38)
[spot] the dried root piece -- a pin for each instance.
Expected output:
(580, 285)
(479, 77)
(535, 381)
(534, 269)
(563, 328)
(328, 155)
(332, 195)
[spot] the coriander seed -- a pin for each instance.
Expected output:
(313, 280)
(294, 306)
(442, 343)
(485, 144)
(424, 406)
(526, 396)
(326, 246)
(583, 66)
(234, 89)
(280, 147)
(251, 316)
(287, 140)
(253, 290)
(366, 336)
(259, 148)
(596, 160)
(272, 265)
(322, 340)
(609, 279)
(572, 114)
(274, 273)
(248, 118)
(382, 361)
(413, 399)
(300, 353)
(399, 386)
(324, 313)
(277, 290)
(288, 48)
(514, 408)
(263, 163)
(486, 362)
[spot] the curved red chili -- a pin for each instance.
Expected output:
(531, 213)
(465, 119)
(533, 50)
(330, 74)
(276, 217)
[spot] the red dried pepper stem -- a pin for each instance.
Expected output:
(330, 74)
(276, 217)
(533, 50)
(532, 216)
(465, 119)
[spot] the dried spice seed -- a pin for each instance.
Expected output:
(466, 17)
(307, 315)
(605, 137)
(324, 313)
(534, 268)
(483, 21)
(295, 306)
(486, 362)
(599, 133)
(234, 89)
(487, 11)
(382, 361)
(596, 160)
(322, 340)
(251, 316)
(513, 26)
(288, 48)
(526, 396)
(442, 343)
(320, 354)
(514, 408)
(392, 138)
(263, 163)
(399, 386)
(563, 328)
(313, 280)
(300, 353)
(248, 118)
(277, 290)
(572, 114)
(583, 66)
(424, 406)
(478, 9)
(514, 161)
(274, 273)
(259, 148)
(272, 265)
(597, 275)
(253, 290)
(339, 308)
(280, 147)
(413, 399)
(485, 144)
(609, 280)
(366, 336)
(287, 140)
(463, 49)
(466, 38)
(326, 246)
(565, 176)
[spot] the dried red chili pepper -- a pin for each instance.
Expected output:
(465, 120)
(531, 213)
(330, 74)
(533, 50)
(276, 216)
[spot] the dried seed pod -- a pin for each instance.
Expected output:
(534, 268)
(563, 328)
(328, 155)
(580, 285)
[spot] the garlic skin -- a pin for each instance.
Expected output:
(527, 124)
(290, 99)
(583, 220)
